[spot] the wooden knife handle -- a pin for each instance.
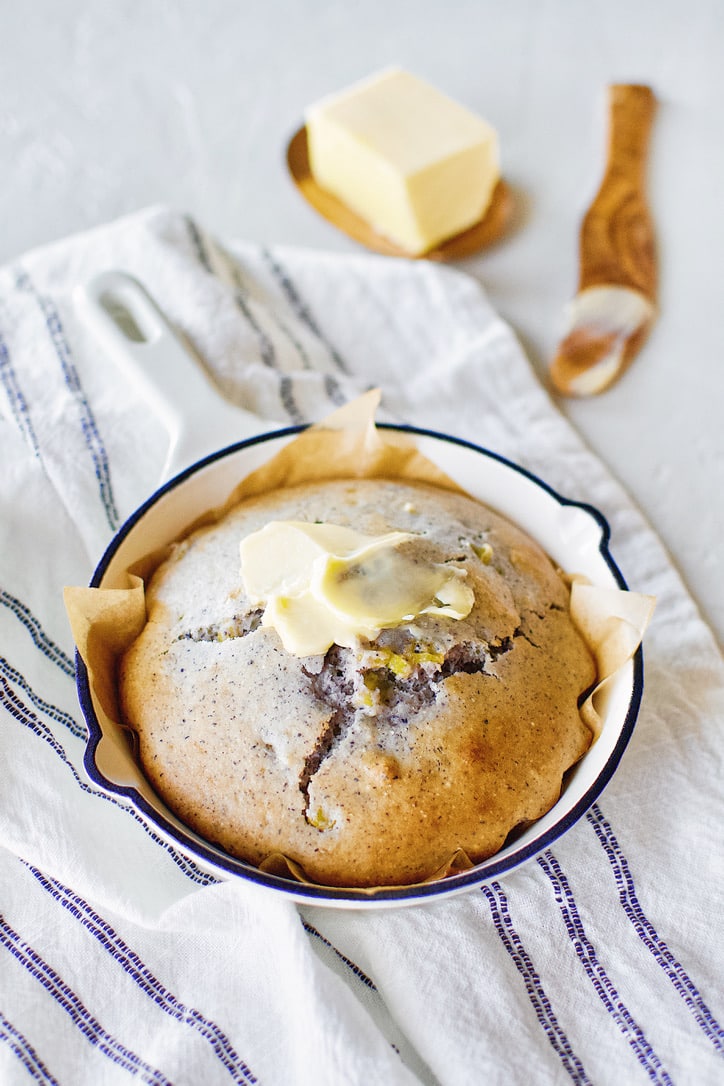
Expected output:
(617, 245)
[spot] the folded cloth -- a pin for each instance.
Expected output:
(597, 962)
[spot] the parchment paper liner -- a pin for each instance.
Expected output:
(347, 444)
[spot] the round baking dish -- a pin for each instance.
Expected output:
(575, 535)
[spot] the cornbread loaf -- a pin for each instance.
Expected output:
(371, 764)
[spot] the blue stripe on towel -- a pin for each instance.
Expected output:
(93, 440)
(8, 672)
(602, 984)
(267, 353)
(333, 390)
(541, 1004)
(241, 295)
(16, 399)
(25, 1052)
(298, 348)
(40, 639)
(204, 249)
(234, 271)
(648, 934)
(197, 240)
(78, 1013)
(286, 395)
(359, 973)
(14, 704)
(142, 976)
(300, 307)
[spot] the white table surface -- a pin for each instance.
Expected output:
(107, 108)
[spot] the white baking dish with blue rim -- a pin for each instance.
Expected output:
(574, 534)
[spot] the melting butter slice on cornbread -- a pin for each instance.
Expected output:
(414, 164)
(324, 584)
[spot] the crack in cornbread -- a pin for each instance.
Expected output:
(393, 689)
(238, 626)
(369, 765)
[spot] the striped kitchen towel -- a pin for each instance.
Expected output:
(120, 959)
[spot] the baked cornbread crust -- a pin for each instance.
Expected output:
(373, 766)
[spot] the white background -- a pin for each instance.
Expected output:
(106, 108)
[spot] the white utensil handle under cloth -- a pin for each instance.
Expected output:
(170, 378)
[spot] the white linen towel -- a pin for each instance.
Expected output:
(598, 962)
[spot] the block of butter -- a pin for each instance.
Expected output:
(415, 165)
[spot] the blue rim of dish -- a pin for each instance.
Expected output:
(221, 862)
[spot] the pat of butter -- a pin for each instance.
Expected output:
(323, 584)
(415, 165)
